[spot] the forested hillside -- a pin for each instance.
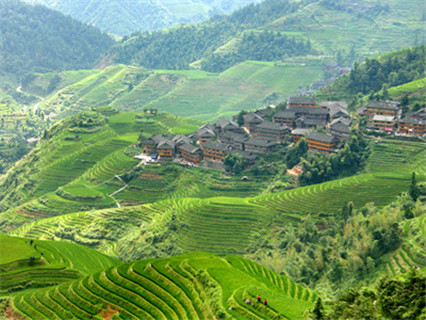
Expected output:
(123, 17)
(35, 38)
(398, 75)
(343, 32)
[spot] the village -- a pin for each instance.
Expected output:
(325, 125)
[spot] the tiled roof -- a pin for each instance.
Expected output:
(302, 100)
(272, 126)
(214, 145)
(321, 137)
(378, 117)
(189, 148)
(385, 105)
(259, 142)
(253, 117)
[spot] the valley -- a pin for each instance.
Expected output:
(262, 164)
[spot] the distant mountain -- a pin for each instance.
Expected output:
(275, 30)
(126, 16)
(35, 38)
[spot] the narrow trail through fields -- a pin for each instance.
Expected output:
(119, 190)
(19, 89)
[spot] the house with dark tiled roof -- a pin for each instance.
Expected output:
(251, 121)
(235, 140)
(337, 109)
(414, 123)
(383, 108)
(383, 123)
(215, 151)
(260, 146)
(148, 146)
(224, 125)
(321, 142)
(286, 117)
(181, 139)
(340, 130)
(272, 131)
(165, 149)
(299, 133)
(304, 102)
(204, 133)
(301, 117)
(190, 153)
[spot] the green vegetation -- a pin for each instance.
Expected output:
(343, 33)
(194, 286)
(396, 75)
(125, 17)
(247, 85)
(42, 48)
(29, 263)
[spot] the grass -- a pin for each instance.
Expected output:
(193, 286)
(29, 263)
(182, 92)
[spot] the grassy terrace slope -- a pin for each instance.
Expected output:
(227, 225)
(193, 286)
(127, 88)
(74, 170)
(25, 264)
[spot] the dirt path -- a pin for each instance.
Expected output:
(19, 89)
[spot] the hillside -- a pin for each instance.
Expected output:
(193, 286)
(35, 38)
(28, 264)
(128, 16)
(393, 75)
(341, 31)
(247, 85)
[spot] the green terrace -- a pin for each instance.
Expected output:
(128, 88)
(29, 263)
(193, 286)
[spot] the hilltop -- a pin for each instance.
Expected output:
(123, 17)
(35, 38)
(342, 32)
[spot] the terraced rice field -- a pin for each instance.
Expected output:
(174, 288)
(412, 254)
(46, 263)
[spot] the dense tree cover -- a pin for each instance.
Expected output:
(126, 16)
(342, 250)
(34, 38)
(373, 79)
(176, 48)
(262, 46)
(347, 161)
(393, 298)
(234, 162)
(393, 71)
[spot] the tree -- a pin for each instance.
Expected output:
(240, 117)
(414, 190)
(318, 311)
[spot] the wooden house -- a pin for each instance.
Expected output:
(272, 131)
(260, 146)
(321, 142)
(303, 102)
(215, 151)
(190, 153)
(251, 121)
(414, 123)
(383, 108)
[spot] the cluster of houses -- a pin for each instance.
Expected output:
(257, 136)
(301, 119)
(385, 116)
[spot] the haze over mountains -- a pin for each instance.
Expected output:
(123, 17)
